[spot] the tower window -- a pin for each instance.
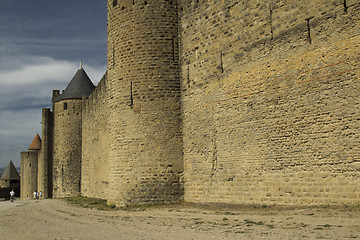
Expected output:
(114, 3)
(65, 106)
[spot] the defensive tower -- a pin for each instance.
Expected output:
(29, 168)
(67, 109)
(144, 102)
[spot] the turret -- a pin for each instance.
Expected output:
(67, 110)
(144, 102)
(29, 168)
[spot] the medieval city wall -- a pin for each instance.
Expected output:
(29, 173)
(67, 147)
(45, 155)
(144, 102)
(95, 143)
(270, 101)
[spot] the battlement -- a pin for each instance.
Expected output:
(128, 5)
(99, 94)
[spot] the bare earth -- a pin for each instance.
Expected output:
(56, 219)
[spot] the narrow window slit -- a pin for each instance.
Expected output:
(221, 62)
(113, 55)
(308, 29)
(271, 26)
(173, 45)
(188, 76)
(131, 95)
(345, 6)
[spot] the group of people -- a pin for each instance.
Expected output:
(35, 195)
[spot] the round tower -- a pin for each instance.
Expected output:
(67, 110)
(29, 168)
(144, 102)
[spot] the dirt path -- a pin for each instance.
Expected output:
(56, 219)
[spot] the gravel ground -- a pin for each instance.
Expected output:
(57, 219)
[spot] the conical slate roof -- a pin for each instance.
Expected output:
(78, 87)
(10, 172)
(36, 143)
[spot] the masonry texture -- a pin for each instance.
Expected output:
(270, 101)
(144, 102)
(244, 102)
(95, 173)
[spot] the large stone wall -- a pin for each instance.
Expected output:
(245, 102)
(67, 147)
(145, 157)
(29, 173)
(44, 182)
(95, 144)
(270, 101)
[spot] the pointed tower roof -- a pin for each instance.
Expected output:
(36, 143)
(79, 86)
(10, 172)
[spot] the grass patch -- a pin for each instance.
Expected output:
(198, 222)
(250, 222)
(240, 232)
(144, 206)
(270, 226)
(325, 225)
(86, 202)
(303, 225)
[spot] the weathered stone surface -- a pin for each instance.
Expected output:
(95, 172)
(145, 144)
(67, 148)
(246, 102)
(270, 102)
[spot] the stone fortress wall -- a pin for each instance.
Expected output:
(95, 172)
(145, 142)
(45, 165)
(270, 100)
(213, 101)
(29, 173)
(67, 147)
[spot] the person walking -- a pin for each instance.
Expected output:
(12, 195)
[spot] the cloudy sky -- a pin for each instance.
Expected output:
(41, 44)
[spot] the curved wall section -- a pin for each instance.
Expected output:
(67, 148)
(144, 102)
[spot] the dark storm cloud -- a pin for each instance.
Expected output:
(60, 29)
(41, 44)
